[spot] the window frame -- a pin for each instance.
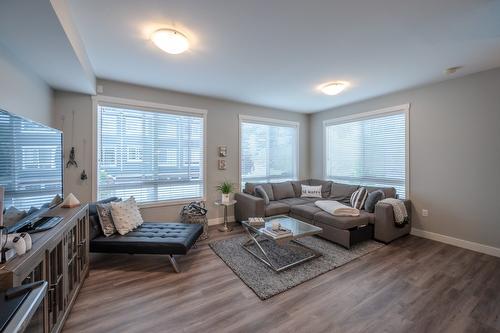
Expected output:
(101, 100)
(399, 109)
(267, 121)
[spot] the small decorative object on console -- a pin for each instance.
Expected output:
(71, 201)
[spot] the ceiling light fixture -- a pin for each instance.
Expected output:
(333, 88)
(170, 41)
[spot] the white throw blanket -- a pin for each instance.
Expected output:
(399, 208)
(336, 208)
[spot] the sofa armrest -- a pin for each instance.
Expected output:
(385, 230)
(248, 206)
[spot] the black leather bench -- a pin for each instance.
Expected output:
(149, 238)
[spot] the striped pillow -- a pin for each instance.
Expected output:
(358, 198)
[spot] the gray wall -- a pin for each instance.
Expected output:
(22, 92)
(222, 129)
(454, 153)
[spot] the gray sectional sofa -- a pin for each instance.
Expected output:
(285, 199)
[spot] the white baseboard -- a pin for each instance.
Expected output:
(220, 220)
(492, 251)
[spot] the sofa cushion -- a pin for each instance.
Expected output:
(307, 210)
(389, 192)
(250, 189)
(342, 222)
(297, 186)
(276, 208)
(293, 201)
(326, 186)
(283, 190)
(342, 192)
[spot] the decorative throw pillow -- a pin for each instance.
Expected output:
(311, 191)
(259, 191)
(106, 219)
(372, 199)
(126, 215)
(358, 198)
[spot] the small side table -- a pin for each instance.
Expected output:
(225, 228)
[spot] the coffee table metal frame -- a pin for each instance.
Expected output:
(256, 237)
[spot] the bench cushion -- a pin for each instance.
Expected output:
(307, 211)
(150, 238)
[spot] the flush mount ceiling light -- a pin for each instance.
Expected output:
(333, 88)
(170, 41)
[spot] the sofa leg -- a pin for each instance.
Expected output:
(174, 263)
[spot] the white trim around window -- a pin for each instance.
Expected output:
(100, 100)
(267, 121)
(404, 108)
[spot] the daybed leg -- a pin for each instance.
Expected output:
(174, 264)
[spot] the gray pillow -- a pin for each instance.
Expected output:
(283, 190)
(260, 192)
(372, 199)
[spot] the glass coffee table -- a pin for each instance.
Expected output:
(257, 237)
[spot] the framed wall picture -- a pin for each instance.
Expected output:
(222, 164)
(222, 151)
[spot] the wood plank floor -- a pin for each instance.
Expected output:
(411, 285)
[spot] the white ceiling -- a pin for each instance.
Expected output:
(266, 52)
(41, 36)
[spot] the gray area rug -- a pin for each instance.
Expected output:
(265, 282)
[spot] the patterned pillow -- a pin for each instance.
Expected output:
(358, 198)
(311, 191)
(105, 218)
(126, 215)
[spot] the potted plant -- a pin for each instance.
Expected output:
(226, 188)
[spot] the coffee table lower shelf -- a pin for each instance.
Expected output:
(254, 239)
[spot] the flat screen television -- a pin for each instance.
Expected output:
(31, 169)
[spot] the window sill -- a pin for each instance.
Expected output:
(168, 203)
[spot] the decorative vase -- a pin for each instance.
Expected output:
(225, 197)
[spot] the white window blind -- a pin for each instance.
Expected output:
(154, 156)
(30, 162)
(370, 151)
(269, 151)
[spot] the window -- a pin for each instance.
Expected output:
(369, 149)
(268, 150)
(151, 154)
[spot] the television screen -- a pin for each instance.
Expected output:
(30, 167)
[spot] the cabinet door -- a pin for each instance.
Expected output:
(55, 276)
(83, 243)
(37, 322)
(72, 248)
